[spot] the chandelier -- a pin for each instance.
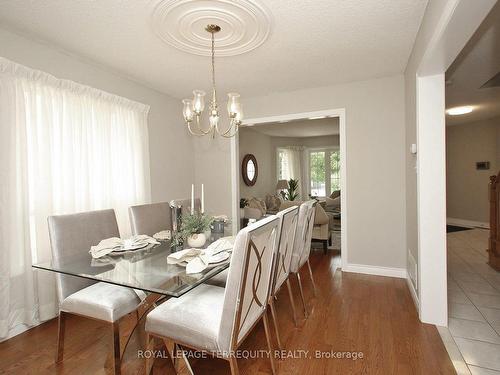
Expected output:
(193, 108)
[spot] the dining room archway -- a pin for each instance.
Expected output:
(284, 118)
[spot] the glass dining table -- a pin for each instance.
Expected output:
(144, 270)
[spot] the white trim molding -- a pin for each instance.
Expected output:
(413, 293)
(328, 113)
(375, 270)
(467, 223)
(456, 23)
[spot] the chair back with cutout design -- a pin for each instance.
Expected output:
(289, 218)
(249, 280)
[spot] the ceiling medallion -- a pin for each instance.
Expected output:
(193, 108)
(245, 25)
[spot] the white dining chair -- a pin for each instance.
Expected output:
(288, 219)
(75, 234)
(302, 246)
(150, 218)
(217, 320)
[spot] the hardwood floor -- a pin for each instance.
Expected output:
(352, 313)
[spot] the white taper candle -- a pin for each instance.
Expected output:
(192, 199)
(202, 199)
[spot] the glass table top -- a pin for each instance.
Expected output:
(144, 269)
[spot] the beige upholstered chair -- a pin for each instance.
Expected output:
(217, 320)
(302, 245)
(289, 218)
(73, 234)
(321, 223)
(150, 218)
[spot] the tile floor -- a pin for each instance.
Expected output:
(473, 303)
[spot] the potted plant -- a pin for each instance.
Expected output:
(243, 204)
(291, 192)
(194, 227)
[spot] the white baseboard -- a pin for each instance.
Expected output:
(467, 223)
(375, 270)
(413, 293)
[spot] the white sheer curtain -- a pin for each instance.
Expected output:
(296, 157)
(64, 148)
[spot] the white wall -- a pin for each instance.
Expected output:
(260, 145)
(374, 154)
(170, 147)
(467, 187)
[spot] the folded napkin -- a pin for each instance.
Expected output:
(109, 245)
(105, 247)
(196, 259)
(163, 235)
(222, 244)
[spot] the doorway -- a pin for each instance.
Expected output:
(472, 87)
(307, 188)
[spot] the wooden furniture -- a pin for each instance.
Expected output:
(494, 242)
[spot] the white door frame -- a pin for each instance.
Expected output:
(459, 20)
(235, 165)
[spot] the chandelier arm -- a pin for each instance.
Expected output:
(228, 130)
(200, 129)
(194, 133)
(230, 135)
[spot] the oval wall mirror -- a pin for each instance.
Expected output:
(249, 169)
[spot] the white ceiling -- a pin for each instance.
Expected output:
(311, 42)
(300, 128)
(477, 63)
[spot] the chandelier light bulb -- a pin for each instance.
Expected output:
(239, 117)
(233, 104)
(188, 110)
(198, 101)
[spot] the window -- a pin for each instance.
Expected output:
(318, 173)
(324, 171)
(283, 170)
(334, 171)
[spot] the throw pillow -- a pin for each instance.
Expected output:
(273, 202)
(335, 194)
(258, 204)
(333, 203)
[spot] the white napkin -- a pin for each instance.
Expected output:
(143, 238)
(197, 259)
(222, 244)
(183, 256)
(163, 235)
(109, 245)
(105, 247)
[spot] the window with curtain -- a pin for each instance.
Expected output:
(291, 164)
(324, 171)
(283, 171)
(64, 148)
